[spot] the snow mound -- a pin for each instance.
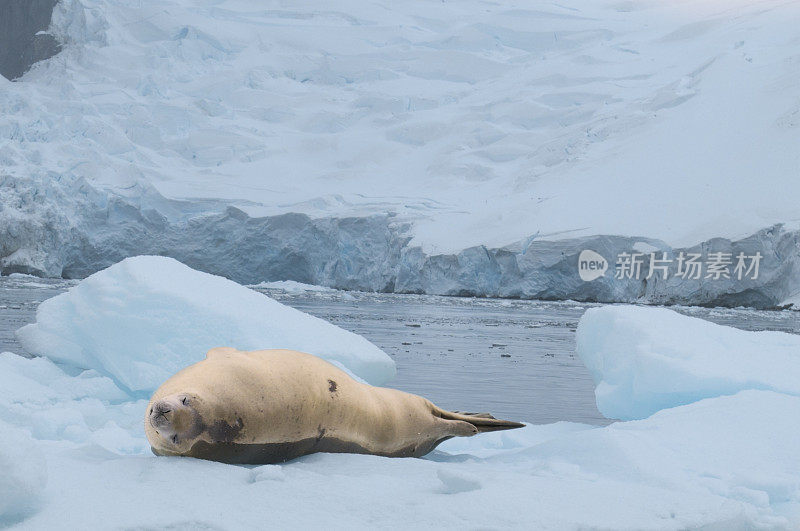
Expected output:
(458, 115)
(730, 456)
(722, 462)
(23, 477)
(726, 461)
(40, 397)
(145, 318)
(643, 360)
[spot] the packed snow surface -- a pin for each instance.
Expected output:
(145, 318)
(74, 454)
(24, 474)
(644, 360)
(482, 123)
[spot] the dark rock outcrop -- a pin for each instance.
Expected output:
(22, 38)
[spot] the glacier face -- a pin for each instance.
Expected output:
(60, 226)
(303, 130)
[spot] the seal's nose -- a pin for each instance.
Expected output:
(160, 414)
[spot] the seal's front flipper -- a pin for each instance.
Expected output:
(482, 422)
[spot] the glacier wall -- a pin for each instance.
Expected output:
(23, 40)
(61, 226)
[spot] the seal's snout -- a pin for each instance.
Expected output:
(161, 414)
(174, 419)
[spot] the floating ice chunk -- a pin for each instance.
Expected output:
(143, 319)
(292, 286)
(643, 360)
(23, 476)
(794, 300)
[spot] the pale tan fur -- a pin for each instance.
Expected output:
(269, 397)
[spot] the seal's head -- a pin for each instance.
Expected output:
(173, 424)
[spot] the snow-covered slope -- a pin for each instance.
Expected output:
(455, 148)
(482, 123)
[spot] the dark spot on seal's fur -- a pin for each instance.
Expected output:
(223, 432)
(331, 386)
(320, 435)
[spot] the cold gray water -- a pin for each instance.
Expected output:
(513, 358)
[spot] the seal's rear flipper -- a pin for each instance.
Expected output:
(483, 422)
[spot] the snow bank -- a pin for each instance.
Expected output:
(731, 456)
(23, 476)
(727, 461)
(643, 360)
(145, 318)
(722, 462)
(53, 406)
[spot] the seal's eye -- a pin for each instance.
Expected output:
(175, 438)
(184, 400)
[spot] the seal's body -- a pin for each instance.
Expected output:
(268, 406)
